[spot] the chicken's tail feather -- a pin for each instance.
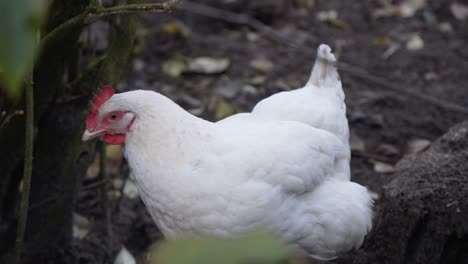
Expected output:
(324, 73)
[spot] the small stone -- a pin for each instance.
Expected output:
(138, 65)
(356, 143)
(130, 189)
(114, 195)
(446, 27)
(81, 226)
(415, 42)
(229, 90)
(252, 37)
(117, 184)
(249, 89)
(375, 196)
(124, 257)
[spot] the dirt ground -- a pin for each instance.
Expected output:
(384, 123)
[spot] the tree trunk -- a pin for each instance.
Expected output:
(60, 158)
(423, 215)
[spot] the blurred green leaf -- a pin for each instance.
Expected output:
(221, 108)
(174, 67)
(20, 22)
(257, 248)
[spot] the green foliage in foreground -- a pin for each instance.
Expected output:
(19, 34)
(257, 248)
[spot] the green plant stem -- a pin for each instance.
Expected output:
(28, 158)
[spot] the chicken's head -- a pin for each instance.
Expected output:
(110, 123)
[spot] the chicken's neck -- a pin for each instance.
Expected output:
(163, 131)
(160, 148)
(163, 137)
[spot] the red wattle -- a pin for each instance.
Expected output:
(114, 139)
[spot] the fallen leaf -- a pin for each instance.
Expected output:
(257, 80)
(208, 65)
(417, 145)
(405, 9)
(331, 16)
(327, 15)
(221, 108)
(114, 152)
(409, 7)
(382, 167)
(176, 28)
(381, 41)
(174, 67)
(459, 11)
(262, 65)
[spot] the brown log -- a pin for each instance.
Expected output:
(423, 214)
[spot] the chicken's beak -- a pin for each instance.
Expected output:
(87, 135)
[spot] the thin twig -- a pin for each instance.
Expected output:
(93, 185)
(360, 73)
(241, 19)
(352, 70)
(6, 118)
(372, 156)
(28, 158)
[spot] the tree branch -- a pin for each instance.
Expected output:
(165, 7)
(96, 9)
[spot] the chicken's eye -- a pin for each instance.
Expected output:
(113, 116)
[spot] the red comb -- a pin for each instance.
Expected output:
(98, 100)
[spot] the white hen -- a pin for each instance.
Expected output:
(228, 178)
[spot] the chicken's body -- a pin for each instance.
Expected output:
(320, 103)
(244, 174)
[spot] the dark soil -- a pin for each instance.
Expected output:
(385, 120)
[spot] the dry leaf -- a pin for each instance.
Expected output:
(417, 145)
(459, 11)
(382, 167)
(208, 65)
